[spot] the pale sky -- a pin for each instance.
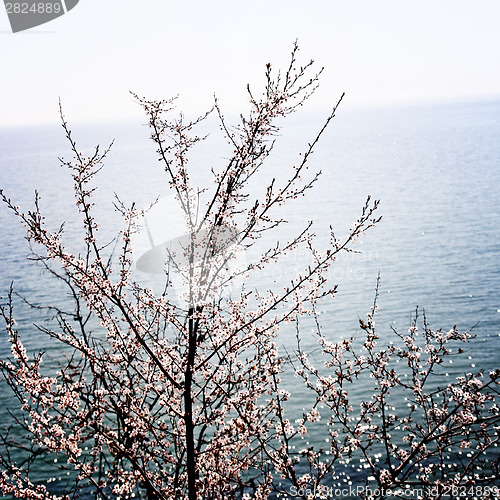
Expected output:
(378, 51)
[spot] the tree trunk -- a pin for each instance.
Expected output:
(188, 409)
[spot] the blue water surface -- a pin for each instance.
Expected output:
(436, 170)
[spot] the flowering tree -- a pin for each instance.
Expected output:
(162, 397)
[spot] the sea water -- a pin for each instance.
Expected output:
(435, 170)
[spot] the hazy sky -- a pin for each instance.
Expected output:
(377, 51)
